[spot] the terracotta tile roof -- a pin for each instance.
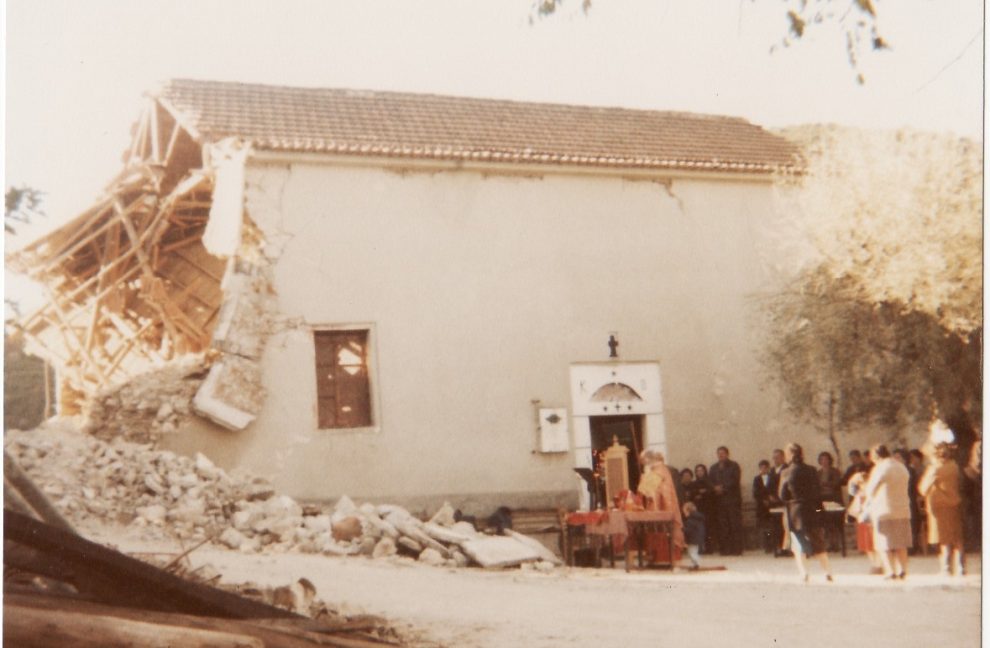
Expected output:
(459, 128)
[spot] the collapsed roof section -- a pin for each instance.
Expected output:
(129, 283)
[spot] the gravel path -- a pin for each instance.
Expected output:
(757, 601)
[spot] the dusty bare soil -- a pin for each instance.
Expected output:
(757, 601)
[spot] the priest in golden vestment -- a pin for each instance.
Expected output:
(657, 486)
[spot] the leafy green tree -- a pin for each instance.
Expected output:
(881, 319)
(843, 362)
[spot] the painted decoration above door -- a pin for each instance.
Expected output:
(615, 388)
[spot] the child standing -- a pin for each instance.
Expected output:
(694, 533)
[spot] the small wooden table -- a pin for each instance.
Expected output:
(586, 528)
(609, 527)
(641, 523)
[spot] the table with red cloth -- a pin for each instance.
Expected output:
(646, 532)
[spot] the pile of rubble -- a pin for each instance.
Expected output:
(164, 495)
(147, 406)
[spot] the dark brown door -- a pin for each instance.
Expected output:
(342, 387)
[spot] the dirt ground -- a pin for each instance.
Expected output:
(756, 601)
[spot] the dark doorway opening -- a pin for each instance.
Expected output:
(628, 429)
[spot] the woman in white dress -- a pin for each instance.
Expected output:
(889, 507)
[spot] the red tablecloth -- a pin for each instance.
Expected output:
(615, 524)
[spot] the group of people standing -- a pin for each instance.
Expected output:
(707, 502)
(887, 494)
(886, 490)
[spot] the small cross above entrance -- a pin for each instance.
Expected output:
(613, 344)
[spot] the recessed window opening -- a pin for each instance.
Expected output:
(343, 389)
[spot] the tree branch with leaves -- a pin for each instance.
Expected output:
(881, 320)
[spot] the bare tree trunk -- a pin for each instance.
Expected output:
(831, 430)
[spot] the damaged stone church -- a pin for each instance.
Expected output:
(417, 298)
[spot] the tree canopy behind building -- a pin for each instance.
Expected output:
(881, 320)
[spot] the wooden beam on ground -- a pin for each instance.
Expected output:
(29, 628)
(138, 584)
(32, 494)
(15, 502)
(283, 633)
(30, 561)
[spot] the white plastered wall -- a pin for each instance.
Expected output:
(481, 291)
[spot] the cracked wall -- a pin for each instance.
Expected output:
(479, 292)
(232, 394)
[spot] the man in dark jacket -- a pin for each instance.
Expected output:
(726, 477)
(764, 496)
(779, 463)
(801, 495)
(856, 464)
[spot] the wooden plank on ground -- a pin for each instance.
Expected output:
(32, 494)
(137, 584)
(282, 633)
(30, 628)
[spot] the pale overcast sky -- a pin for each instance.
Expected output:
(76, 69)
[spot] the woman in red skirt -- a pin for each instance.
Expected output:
(864, 529)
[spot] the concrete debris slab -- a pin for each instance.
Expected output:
(545, 554)
(443, 534)
(499, 551)
(232, 394)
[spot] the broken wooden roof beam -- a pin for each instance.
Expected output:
(136, 584)
(281, 633)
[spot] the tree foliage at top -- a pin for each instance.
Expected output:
(897, 212)
(856, 20)
(881, 321)
(21, 206)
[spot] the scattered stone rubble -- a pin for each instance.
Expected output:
(147, 406)
(165, 495)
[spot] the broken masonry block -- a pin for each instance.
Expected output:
(231, 395)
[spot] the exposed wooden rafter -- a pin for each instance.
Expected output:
(113, 288)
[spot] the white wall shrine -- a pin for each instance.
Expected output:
(609, 390)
